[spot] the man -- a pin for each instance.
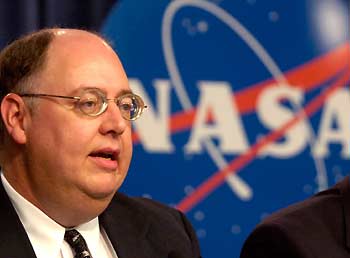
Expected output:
(316, 228)
(66, 148)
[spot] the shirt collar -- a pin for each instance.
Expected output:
(47, 238)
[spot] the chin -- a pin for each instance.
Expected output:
(104, 190)
(104, 195)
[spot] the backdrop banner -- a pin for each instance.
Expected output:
(20, 17)
(248, 106)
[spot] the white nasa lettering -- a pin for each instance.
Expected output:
(336, 111)
(216, 100)
(152, 128)
(274, 115)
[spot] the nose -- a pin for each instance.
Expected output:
(112, 121)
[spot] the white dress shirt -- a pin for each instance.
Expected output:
(47, 236)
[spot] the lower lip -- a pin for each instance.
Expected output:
(106, 164)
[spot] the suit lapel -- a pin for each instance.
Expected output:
(344, 187)
(14, 242)
(127, 229)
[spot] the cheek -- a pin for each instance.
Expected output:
(64, 139)
(74, 140)
(127, 146)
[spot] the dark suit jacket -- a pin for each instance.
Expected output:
(316, 228)
(137, 228)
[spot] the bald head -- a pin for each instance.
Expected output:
(77, 48)
(26, 57)
(73, 41)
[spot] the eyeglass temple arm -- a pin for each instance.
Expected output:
(47, 95)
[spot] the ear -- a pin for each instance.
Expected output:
(14, 115)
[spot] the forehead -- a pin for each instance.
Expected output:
(81, 59)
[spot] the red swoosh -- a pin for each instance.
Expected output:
(218, 177)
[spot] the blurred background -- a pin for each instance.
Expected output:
(249, 100)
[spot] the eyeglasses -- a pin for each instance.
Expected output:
(93, 102)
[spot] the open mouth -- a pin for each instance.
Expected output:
(104, 155)
(106, 159)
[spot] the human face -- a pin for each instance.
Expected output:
(66, 150)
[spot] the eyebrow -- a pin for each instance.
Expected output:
(122, 92)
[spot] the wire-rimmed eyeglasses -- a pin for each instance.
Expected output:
(93, 102)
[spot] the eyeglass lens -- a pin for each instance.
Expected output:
(93, 103)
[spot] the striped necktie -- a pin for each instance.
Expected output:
(77, 243)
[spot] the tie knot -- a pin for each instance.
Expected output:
(77, 243)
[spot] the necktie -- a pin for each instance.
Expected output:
(77, 243)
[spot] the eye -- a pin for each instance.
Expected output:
(89, 105)
(127, 107)
(126, 104)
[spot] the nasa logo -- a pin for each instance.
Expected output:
(242, 100)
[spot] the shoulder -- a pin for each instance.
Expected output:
(309, 223)
(315, 211)
(150, 208)
(162, 223)
(319, 208)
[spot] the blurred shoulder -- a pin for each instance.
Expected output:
(313, 226)
(323, 205)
